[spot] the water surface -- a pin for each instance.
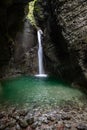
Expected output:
(28, 91)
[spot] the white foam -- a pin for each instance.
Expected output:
(41, 75)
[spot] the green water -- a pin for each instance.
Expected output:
(27, 90)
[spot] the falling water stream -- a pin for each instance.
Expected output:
(40, 55)
(31, 91)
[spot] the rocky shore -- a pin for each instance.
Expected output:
(60, 118)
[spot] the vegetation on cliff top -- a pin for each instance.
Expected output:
(30, 15)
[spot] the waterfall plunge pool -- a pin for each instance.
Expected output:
(33, 91)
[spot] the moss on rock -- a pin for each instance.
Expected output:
(30, 15)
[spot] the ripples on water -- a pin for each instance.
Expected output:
(25, 91)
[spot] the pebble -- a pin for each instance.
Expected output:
(58, 117)
(17, 117)
(13, 128)
(81, 127)
(23, 112)
(23, 123)
(7, 128)
(51, 117)
(34, 125)
(30, 119)
(12, 123)
(2, 127)
(68, 126)
(65, 117)
(42, 120)
(2, 114)
(18, 127)
(28, 128)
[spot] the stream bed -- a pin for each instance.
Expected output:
(34, 103)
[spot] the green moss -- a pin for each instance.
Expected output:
(30, 15)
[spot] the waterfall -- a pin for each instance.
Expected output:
(40, 55)
(40, 52)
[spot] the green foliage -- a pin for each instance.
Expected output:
(30, 15)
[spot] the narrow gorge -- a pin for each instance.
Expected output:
(64, 26)
(43, 65)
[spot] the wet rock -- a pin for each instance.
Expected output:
(38, 113)
(68, 126)
(23, 112)
(29, 118)
(51, 117)
(2, 126)
(65, 117)
(12, 123)
(2, 114)
(81, 127)
(17, 117)
(23, 123)
(50, 128)
(85, 127)
(66, 109)
(28, 128)
(60, 125)
(44, 120)
(58, 117)
(34, 125)
(37, 128)
(18, 127)
(7, 128)
(13, 128)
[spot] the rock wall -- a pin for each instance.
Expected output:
(24, 59)
(12, 18)
(71, 17)
(64, 37)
